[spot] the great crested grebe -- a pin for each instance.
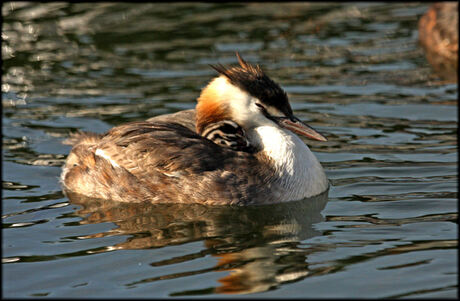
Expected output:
(237, 147)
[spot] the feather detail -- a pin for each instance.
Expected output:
(209, 110)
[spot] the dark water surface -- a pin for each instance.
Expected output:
(354, 71)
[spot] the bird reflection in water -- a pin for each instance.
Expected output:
(259, 246)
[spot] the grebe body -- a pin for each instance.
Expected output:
(238, 146)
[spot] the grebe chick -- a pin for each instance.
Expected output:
(238, 146)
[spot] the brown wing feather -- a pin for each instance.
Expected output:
(169, 162)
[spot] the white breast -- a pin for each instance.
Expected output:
(299, 171)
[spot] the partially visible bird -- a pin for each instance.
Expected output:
(438, 34)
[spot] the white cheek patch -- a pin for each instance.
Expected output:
(242, 105)
(99, 152)
(274, 111)
(230, 93)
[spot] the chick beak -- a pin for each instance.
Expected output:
(294, 124)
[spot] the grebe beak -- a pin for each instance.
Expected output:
(295, 125)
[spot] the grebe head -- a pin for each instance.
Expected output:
(247, 96)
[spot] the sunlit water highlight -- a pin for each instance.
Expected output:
(387, 227)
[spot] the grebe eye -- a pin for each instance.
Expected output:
(260, 106)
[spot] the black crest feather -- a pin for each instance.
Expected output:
(254, 81)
